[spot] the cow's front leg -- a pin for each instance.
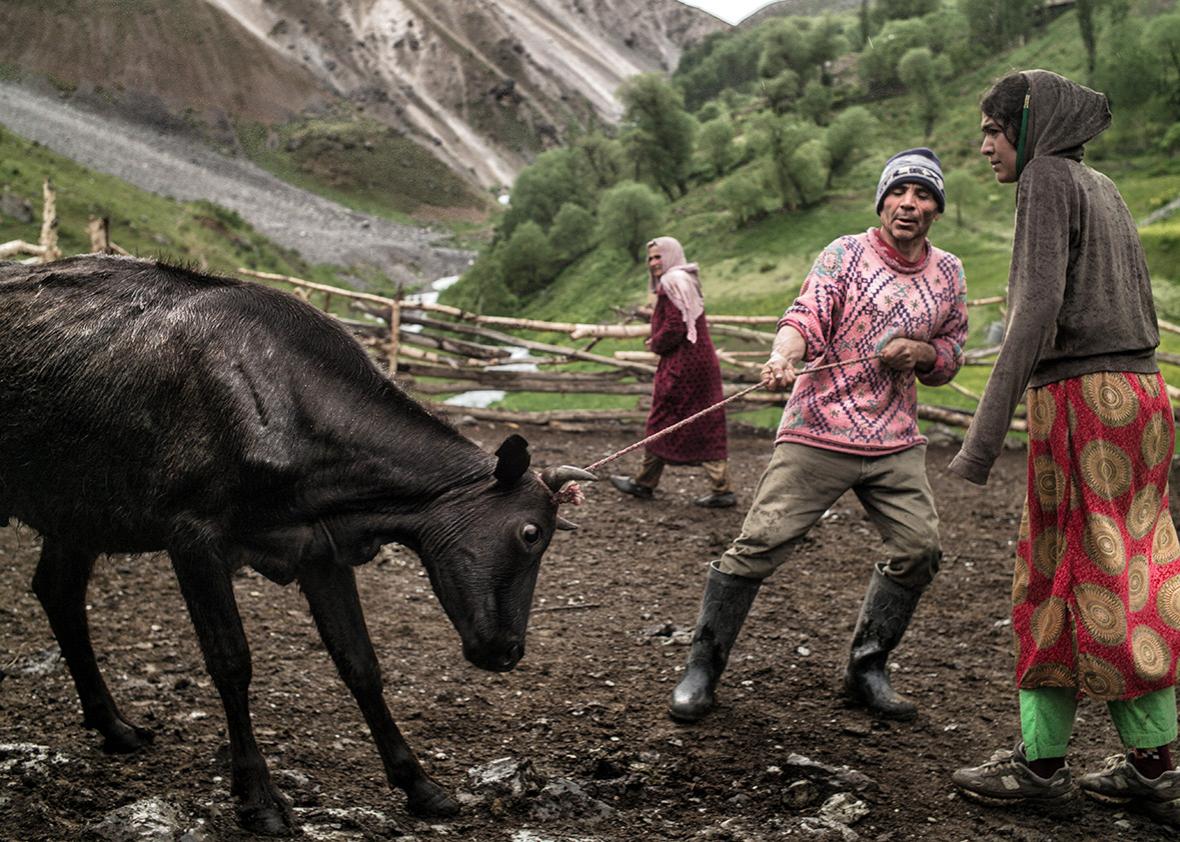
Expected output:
(331, 593)
(60, 584)
(207, 590)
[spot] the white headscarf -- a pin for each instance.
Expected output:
(681, 282)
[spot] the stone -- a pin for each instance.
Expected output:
(844, 809)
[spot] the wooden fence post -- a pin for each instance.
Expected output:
(395, 324)
(99, 229)
(49, 224)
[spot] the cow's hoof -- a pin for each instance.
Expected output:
(428, 800)
(266, 819)
(124, 738)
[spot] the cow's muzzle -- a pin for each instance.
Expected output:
(495, 657)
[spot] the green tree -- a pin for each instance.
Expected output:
(784, 46)
(850, 133)
(816, 102)
(660, 133)
(1163, 40)
(719, 62)
(1170, 143)
(962, 192)
(1085, 10)
(482, 288)
(923, 74)
(790, 43)
(828, 42)
(600, 162)
(878, 63)
(901, 9)
(527, 262)
(781, 91)
(629, 215)
(809, 167)
(1128, 73)
(541, 188)
(997, 24)
(743, 194)
(572, 232)
(778, 138)
(717, 145)
(948, 34)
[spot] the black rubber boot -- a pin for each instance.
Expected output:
(726, 602)
(884, 617)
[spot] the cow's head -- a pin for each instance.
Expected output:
(482, 548)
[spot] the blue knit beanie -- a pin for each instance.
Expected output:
(919, 165)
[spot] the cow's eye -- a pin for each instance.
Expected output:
(531, 533)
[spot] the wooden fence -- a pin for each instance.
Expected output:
(434, 349)
(46, 249)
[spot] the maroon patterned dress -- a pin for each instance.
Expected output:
(687, 380)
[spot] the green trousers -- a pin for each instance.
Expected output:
(1047, 715)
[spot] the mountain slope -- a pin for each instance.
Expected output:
(181, 55)
(483, 85)
(488, 83)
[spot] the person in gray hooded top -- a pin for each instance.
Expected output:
(1096, 591)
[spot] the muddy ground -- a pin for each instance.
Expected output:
(585, 707)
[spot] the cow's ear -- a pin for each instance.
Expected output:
(512, 459)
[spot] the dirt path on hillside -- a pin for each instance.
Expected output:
(170, 165)
(584, 711)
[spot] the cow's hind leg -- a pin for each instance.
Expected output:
(331, 593)
(205, 584)
(60, 584)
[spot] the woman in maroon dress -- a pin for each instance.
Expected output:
(687, 380)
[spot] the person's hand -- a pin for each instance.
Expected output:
(778, 373)
(647, 343)
(907, 354)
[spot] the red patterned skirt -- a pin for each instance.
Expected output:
(1096, 593)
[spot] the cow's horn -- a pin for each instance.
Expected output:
(566, 525)
(556, 477)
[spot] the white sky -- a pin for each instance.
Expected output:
(730, 11)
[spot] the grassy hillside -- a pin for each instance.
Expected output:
(757, 269)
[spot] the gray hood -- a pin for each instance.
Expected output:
(1062, 116)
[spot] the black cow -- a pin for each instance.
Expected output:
(146, 407)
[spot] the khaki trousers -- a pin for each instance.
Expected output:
(802, 482)
(653, 467)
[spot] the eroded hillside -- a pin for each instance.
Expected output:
(483, 85)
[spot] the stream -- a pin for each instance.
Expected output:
(476, 398)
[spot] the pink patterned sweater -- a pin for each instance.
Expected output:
(857, 297)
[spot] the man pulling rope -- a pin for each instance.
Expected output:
(889, 294)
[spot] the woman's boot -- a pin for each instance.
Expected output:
(726, 602)
(884, 617)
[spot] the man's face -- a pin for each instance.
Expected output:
(655, 261)
(907, 212)
(998, 150)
